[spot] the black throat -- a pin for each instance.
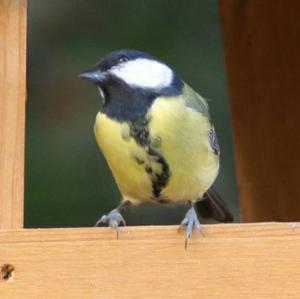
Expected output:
(125, 103)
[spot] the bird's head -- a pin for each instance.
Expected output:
(131, 80)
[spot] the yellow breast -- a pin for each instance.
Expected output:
(186, 148)
(122, 154)
(183, 142)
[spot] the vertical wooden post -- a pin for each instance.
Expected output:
(12, 111)
(262, 40)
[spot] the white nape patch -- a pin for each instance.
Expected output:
(144, 73)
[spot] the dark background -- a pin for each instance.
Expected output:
(67, 180)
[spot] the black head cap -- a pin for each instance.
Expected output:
(130, 80)
(119, 56)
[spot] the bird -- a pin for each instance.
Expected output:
(157, 137)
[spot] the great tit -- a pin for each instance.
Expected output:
(156, 135)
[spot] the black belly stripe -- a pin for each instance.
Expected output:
(140, 132)
(159, 180)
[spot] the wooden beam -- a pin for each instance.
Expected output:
(12, 111)
(231, 261)
(261, 41)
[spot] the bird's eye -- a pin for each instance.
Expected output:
(123, 59)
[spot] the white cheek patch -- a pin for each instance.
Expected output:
(101, 94)
(144, 73)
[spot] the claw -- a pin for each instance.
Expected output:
(113, 219)
(190, 221)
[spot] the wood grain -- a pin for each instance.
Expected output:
(262, 40)
(231, 261)
(12, 111)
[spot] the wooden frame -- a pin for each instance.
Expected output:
(263, 65)
(12, 111)
(232, 261)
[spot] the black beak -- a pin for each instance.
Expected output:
(94, 76)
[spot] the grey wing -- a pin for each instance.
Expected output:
(214, 141)
(195, 101)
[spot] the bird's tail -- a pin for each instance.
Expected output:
(212, 206)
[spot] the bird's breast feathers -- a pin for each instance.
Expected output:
(164, 156)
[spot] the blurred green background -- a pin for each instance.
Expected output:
(67, 180)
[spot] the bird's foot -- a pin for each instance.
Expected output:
(113, 219)
(190, 221)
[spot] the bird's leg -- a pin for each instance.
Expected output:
(114, 218)
(190, 221)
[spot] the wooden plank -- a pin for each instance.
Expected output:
(262, 40)
(231, 261)
(12, 111)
